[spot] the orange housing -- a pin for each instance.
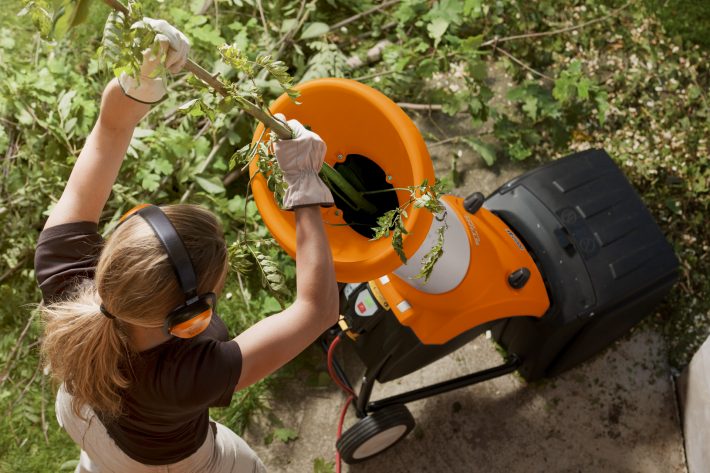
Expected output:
(482, 296)
(353, 118)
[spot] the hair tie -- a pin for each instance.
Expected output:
(106, 313)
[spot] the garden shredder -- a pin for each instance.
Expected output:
(556, 264)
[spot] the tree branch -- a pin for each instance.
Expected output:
(554, 32)
(263, 16)
(353, 18)
(419, 106)
(522, 64)
(20, 263)
(10, 359)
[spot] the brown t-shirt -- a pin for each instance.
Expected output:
(166, 415)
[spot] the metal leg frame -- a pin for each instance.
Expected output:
(363, 406)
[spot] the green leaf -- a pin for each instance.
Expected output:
(433, 256)
(270, 305)
(315, 29)
(285, 435)
(150, 182)
(437, 28)
(583, 87)
(487, 152)
(69, 15)
(530, 107)
(472, 6)
(64, 105)
(69, 465)
(323, 466)
(288, 25)
(212, 186)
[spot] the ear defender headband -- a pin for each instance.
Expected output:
(192, 317)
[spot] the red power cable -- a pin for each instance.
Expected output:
(348, 391)
(331, 370)
(340, 430)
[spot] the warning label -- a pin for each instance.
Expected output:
(365, 304)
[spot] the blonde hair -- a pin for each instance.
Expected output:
(91, 353)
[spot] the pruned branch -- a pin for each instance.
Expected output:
(279, 128)
(354, 18)
(15, 348)
(558, 31)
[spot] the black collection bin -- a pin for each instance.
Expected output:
(604, 259)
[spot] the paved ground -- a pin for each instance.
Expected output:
(615, 413)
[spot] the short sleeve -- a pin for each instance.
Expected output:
(208, 375)
(66, 253)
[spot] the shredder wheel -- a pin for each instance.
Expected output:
(375, 433)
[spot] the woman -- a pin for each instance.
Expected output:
(136, 385)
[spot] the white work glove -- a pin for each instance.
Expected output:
(151, 86)
(300, 160)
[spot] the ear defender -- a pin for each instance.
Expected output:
(192, 317)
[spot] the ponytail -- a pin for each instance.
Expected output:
(87, 351)
(134, 278)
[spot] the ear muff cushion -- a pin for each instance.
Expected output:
(188, 321)
(193, 326)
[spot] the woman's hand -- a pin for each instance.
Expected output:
(173, 46)
(300, 160)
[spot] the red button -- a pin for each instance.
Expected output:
(361, 308)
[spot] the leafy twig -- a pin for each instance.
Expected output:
(452, 139)
(43, 408)
(433, 255)
(377, 74)
(20, 263)
(283, 131)
(356, 17)
(283, 41)
(26, 389)
(558, 31)
(522, 64)
(15, 348)
(263, 17)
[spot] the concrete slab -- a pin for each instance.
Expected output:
(616, 413)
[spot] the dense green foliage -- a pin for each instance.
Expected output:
(623, 83)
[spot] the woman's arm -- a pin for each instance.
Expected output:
(275, 340)
(96, 169)
(272, 342)
(124, 102)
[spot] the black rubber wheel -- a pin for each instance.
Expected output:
(375, 433)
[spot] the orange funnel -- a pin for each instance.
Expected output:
(353, 118)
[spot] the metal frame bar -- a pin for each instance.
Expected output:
(363, 406)
(509, 366)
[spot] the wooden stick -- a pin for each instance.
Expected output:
(554, 32)
(347, 21)
(43, 417)
(281, 129)
(10, 358)
(20, 264)
(522, 64)
(419, 106)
